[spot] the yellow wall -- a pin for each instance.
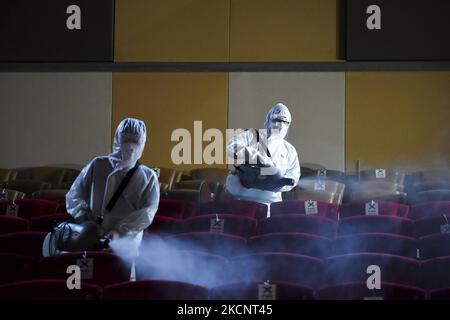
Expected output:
(167, 101)
(226, 30)
(283, 30)
(398, 119)
(171, 30)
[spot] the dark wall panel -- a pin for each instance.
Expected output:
(409, 30)
(36, 30)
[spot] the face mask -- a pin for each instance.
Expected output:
(129, 152)
(278, 130)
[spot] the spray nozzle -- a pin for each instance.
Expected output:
(104, 242)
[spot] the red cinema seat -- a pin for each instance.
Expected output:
(442, 294)
(432, 225)
(290, 242)
(48, 290)
(30, 208)
(236, 207)
(261, 291)
(359, 291)
(376, 224)
(171, 208)
(10, 224)
(47, 223)
(362, 208)
(435, 273)
(284, 267)
(16, 268)
(324, 209)
(155, 290)
(354, 268)
(429, 209)
(435, 245)
(298, 223)
(221, 223)
(194, 267)
(225, 245)
(376, 243)
(23, 243)
(162, 225)
(101, 268)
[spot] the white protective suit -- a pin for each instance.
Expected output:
(94, 187)
(283, 155)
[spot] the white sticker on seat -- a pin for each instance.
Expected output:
(311, 207)
(267, 291)
(372, 208)
(12, 210)
(216, 225)
(87, 267)
(380, 173)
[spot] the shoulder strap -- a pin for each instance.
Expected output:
(121, 187)
(266, 147)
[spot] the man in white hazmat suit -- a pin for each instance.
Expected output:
(93, 189)
(282, 156)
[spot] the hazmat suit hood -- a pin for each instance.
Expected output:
(129, 142)
(278, 112)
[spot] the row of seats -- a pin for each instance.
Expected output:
(30, 243)
(241, 217)
(102, 268)
(176, 290)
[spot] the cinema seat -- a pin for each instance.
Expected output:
(435, 245)
(324, 209)
(28, 243)
(431, 196)
(298, 223)
(429, 209)
(442, 294)
(48, 290)
(28, 186)
(48, 222)
(359, 291)
(16, 268)
(101, 268)
(205, 193)
(323, 174)
(167, 176)
(222, 223)
(30, 208)
(194, 267)
(9, 224)
(210, 174)
(7, 175)
(261, 291)
(379, 195)
(390, 175)
(58, 195)
(359, 208)
(236, 207)
(435, 273)
(225, 245)
(155, 290)
(375, 243)
(13, 194)
(284, 267)
(290, 242)
(376, 224)
(171, 208)
(353, 268)
(163, 225)
(432, 225)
